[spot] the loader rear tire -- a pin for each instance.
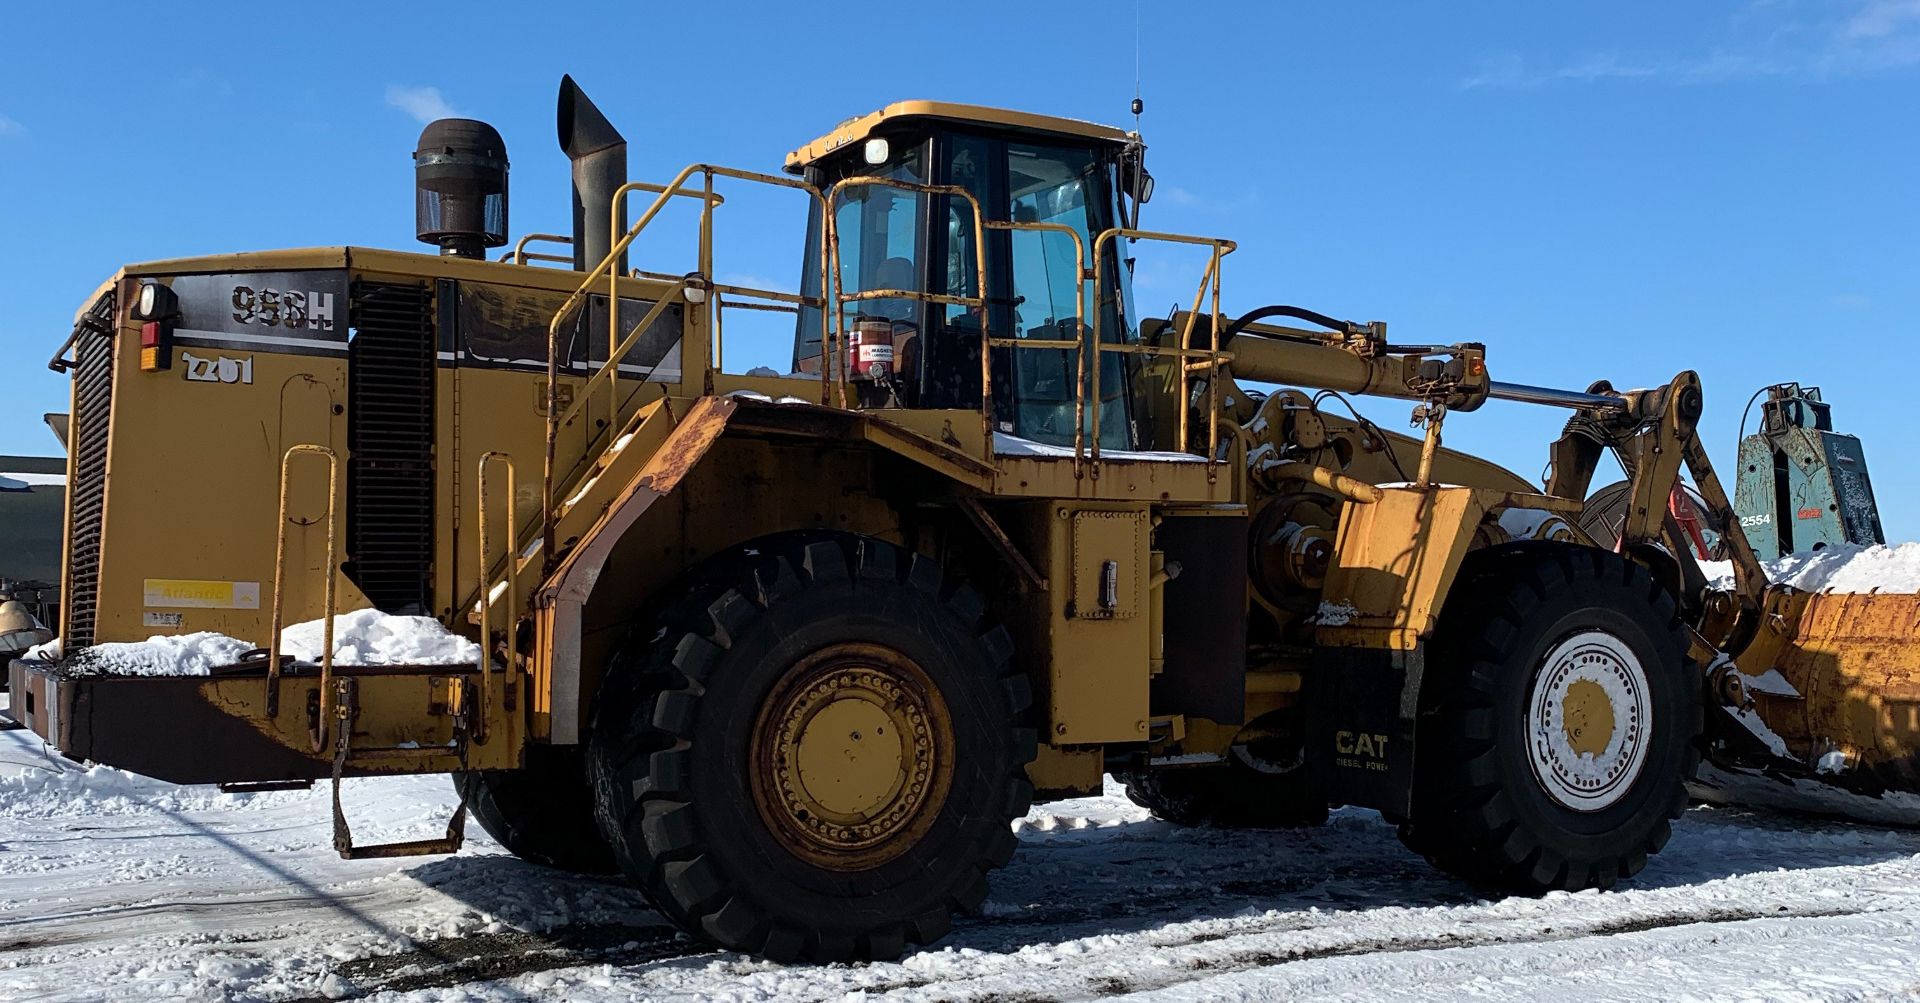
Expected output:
(542, 813)
(1560, 721)
(816, 754)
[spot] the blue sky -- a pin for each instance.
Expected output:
(1617, 190)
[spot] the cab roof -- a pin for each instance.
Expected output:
(856, 130)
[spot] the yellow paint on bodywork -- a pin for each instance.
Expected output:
(854, 130)
(1096, 659)
(1394, 561)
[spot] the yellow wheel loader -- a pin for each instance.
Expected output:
(789, 648)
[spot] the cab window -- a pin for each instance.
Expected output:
(1065, 187)
(881, 233)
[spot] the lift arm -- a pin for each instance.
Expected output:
(1653, 433)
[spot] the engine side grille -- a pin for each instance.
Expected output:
(389, 545)
(87, 492)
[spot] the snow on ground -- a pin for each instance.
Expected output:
(1843, 567)
(362, 637)
(119, 887)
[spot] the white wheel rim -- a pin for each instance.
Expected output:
(1587, 721)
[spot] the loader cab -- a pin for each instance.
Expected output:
(915, 353)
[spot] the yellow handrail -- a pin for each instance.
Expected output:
(783, 303)
(1212, 355)
(520, 255)
(610, 369)
(835, 349)
(1078, 345)
(486, 587)
(709, 202)
(318, 727)
(833, 366)
(676, 187)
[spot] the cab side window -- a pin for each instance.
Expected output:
(1064, 187)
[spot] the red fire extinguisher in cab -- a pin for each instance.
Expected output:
(871, 343)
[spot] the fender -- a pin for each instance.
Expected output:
(558, 604)
(562, 605)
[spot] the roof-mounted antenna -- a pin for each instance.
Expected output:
(1138, 185)
(1138, 105)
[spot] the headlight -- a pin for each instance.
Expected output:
(154, 302)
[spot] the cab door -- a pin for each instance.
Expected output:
(1033, 278)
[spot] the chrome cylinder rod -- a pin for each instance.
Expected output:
(1555, 398)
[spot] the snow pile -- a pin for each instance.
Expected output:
(1013, 445)
(179, 655)
(370, 637)
(769, 371)
(1844, 567)
(754, 395)
(1335, 614)
(362, 637)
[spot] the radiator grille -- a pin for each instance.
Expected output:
(389, 546)
(87, 488)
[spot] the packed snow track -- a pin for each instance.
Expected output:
(118, 887)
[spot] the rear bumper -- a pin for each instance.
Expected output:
(160, 726)
(209, 729)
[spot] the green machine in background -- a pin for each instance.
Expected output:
(1801, 485)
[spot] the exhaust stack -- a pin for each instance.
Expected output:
(599, 155)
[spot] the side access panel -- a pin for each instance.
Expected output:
(1095, 633)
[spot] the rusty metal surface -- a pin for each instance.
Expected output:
(343, 754)
(690, 441)
(1854, 668)
(562, 598)
(809, 421)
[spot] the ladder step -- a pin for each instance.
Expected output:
(343, 751)
(408, 848)
(261, 786)
(399, 752)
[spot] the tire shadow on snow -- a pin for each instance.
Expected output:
(528, 897)
(1074, 877)
(1131, 876)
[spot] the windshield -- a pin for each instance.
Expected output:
(889, 238)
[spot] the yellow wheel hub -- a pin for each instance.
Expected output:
(849, 763)
(1586, 715)
(853, 756)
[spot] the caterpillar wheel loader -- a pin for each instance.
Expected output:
(789, 650)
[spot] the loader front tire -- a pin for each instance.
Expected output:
(543, 812)
(815, 755)
(1559, 723)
